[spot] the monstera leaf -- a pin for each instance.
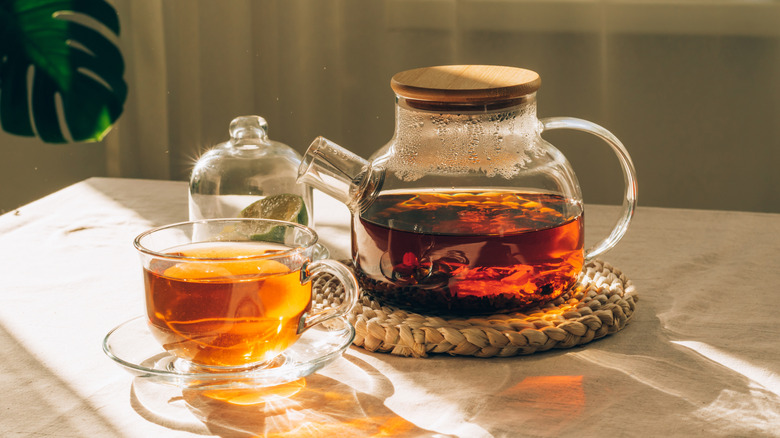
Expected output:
(56, 63)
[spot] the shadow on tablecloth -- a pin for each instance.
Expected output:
(314, 406)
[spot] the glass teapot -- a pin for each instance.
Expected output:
(467, 210)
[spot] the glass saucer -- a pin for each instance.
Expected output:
(132, 346)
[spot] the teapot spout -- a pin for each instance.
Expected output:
(336, 171)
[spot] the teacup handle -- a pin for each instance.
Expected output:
(350, 292)
(629, 176)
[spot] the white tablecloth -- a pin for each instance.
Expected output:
(700, 357)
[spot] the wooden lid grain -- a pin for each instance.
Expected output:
(465, 83)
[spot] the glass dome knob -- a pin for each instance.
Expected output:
(244, 129)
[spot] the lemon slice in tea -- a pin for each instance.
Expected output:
(283, 207)
(206, 271)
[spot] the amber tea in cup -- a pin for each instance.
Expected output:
(233, 293)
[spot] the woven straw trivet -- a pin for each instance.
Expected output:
(600, 303)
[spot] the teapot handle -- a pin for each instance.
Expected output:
(629, 177)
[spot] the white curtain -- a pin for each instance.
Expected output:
(690, 86)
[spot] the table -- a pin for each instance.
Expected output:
(700, 357)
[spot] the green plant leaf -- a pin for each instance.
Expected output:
(62, 45)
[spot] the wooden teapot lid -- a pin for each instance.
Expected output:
(465, 83)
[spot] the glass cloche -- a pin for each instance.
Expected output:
(243, 170)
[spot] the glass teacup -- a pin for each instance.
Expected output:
(233, 294)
